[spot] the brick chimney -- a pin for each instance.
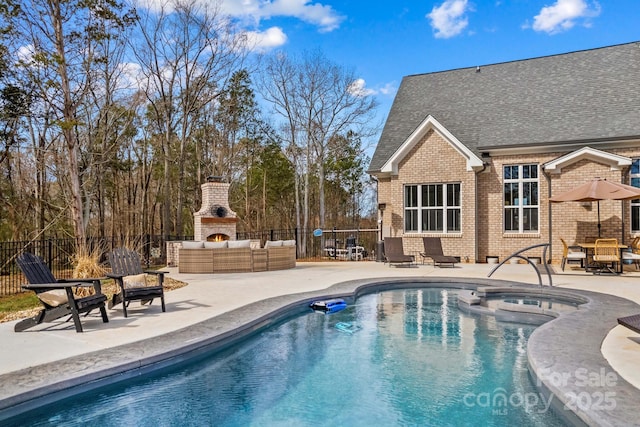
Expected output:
(215, 220)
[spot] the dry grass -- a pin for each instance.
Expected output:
(87, 265)
(109, 287)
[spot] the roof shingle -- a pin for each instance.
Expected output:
(579, 96)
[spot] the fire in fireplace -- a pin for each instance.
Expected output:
(217, 237)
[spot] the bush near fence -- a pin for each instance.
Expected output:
(59, 253)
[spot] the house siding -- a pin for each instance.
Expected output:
(577, 222)
(569, 101)
(492, 239)
(434, 160)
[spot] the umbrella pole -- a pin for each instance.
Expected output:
(599, 225)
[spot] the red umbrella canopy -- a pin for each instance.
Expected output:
(598, 189)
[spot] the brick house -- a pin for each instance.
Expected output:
(472, 155)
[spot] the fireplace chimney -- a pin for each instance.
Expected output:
(215, 220)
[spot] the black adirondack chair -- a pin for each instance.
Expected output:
(124, 263)
(42, 282)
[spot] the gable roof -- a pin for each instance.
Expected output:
(391, 165)
(614, 161)
(579, 97)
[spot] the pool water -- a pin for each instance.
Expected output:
(397, 358)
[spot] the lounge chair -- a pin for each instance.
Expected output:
(433, 250)
(57, 295)
(632, 322)
(569, 254)
(126, 270)
(394, 252)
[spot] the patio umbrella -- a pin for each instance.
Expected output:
(596, 190)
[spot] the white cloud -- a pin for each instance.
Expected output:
(323, 16)
(388, 89)
(25, 53)
(359, 88)
(263, 41)
(130, 76)
(563, 15)
(449, 18)
(318, 14)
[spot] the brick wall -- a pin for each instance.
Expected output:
(433, 160)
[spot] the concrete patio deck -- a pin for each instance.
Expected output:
(27, 358)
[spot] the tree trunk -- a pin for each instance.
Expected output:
(68, 126)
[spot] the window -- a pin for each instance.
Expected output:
(635, 204)
(520, 198)
(432, 208)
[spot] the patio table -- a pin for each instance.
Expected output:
(589, 248)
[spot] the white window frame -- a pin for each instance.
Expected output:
(419, 209)
(635, 204)
(520, 206)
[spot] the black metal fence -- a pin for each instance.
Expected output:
(59, 254)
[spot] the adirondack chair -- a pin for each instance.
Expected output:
(126, 270)
(56, 295)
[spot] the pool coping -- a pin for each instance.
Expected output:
(549, 355)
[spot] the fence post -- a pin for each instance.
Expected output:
(335, 244)
(49, 253)
(147, 249)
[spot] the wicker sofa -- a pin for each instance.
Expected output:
(235, 256)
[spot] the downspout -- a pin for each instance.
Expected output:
(625, 180)
(379, 221)
(475, 209)
(548, 177)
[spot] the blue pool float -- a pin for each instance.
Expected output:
(329, 306)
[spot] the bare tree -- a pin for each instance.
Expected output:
(187, 52)
(316, 100)
(57, 38)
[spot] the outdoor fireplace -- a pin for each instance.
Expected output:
(215, 221)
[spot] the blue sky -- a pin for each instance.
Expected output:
(382, 41)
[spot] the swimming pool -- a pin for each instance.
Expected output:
(409, 357)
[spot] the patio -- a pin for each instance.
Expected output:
(213, 306)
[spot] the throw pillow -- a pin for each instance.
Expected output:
(135, 281)
(54, 297)
(239, 243)
(188, 244)
(215, 245)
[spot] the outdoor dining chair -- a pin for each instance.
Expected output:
(569, 254)
(606, 254)
(633, 254)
